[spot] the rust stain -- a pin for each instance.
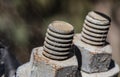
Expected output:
(38, 58)
(93, 53)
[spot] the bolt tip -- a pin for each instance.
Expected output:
(58, 40)
(61, 27)
(95, 28)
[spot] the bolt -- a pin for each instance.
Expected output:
(58, 41)
(96, 52)
(95, 29)
(55, 58)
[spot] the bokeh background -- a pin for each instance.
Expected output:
(23, 23)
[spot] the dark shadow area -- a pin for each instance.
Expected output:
(8, 62)
(79, 58)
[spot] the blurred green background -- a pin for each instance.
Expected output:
(23, 23)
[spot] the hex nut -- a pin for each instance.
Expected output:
(94, 59)
(110, 73)
(45, 67)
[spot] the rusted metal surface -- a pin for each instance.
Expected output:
(55, 58)
(45, 67)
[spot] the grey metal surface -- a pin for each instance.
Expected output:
(95, 62)
(71, 71)
(45, 67)
(24, 70)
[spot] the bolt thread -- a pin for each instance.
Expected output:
(58, 40)
(95, 29)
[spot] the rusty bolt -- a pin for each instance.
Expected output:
(96, 52)
(58, 40)
(55, 58)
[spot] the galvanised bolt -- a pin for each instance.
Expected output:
(96, 52)
(55, 58)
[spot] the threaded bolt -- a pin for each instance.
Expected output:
(95, 29)
(58, 40)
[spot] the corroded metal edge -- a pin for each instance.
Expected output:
(111, 73)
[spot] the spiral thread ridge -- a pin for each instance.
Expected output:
(95, 28)
(58, 40)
